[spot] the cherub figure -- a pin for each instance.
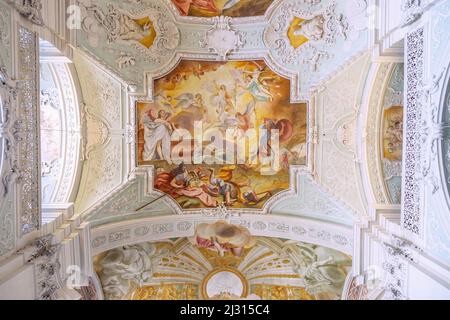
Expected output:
(312, 29)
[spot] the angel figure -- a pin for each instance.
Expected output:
(322, 276)
(188, 101)
(257, 83)
(394, 134)
(194, 104)
(120, 26)
(197, 71)
(164, 100)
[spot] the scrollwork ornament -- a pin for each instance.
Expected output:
(121, 28)
(8, 131)
(399, 253)
(45, 257)
(324, 26)
(8, 160)
(432, 132)
(221, 38)
(221, 212)
(31, 9)
(412, 11)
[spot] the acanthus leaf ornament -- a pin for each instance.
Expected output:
(45, 257)
(323, 26)
(102, 133)
(399, 253)
(221, 212)
(221, 38)
(31, 9)
(412, 11)
(8, 131)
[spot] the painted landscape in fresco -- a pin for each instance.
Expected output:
(231, 8)
(231, 99)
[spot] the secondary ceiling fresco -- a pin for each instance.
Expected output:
(269, 269)
(231, 8)
(392, 136)
(236, 106)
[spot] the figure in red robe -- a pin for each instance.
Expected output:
(185, 5)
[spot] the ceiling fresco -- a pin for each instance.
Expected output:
(222, 133)
(234, 76)
(194, 269)
(392, 134)
(231, 8)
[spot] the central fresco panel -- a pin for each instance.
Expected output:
(222, 133)
(230, 8)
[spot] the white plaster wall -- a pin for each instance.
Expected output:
(20, 285)
(424, 287)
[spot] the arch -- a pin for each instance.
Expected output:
(444, 148)
(62, 133)
(2, 142)
(377, 98)
(326, 234)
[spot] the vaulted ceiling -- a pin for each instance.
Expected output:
(311, 70)
(316, 89)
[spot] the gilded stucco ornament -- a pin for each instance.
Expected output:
(221, 38)
(310, 27)
(148, 32)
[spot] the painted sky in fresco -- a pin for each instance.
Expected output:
(231, 8)
(238, 95)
